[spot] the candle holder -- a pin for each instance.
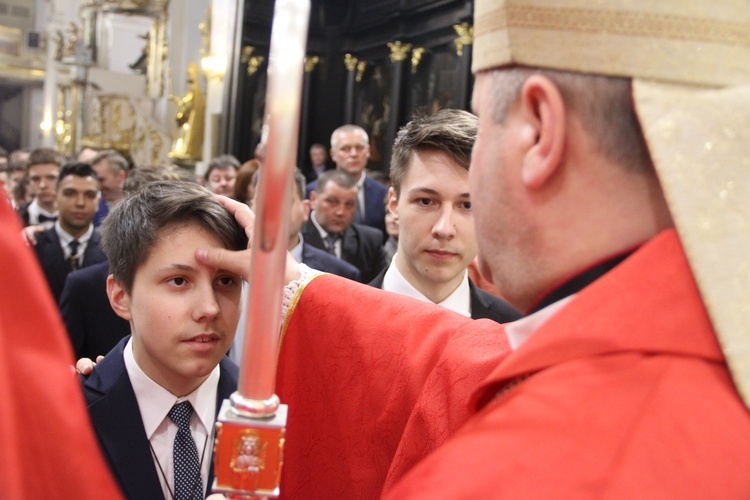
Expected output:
(249, 446)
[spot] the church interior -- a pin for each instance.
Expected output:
(116, 73)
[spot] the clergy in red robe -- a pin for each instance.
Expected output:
(607, 188)
(48, 446)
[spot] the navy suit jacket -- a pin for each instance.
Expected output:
(361, 246)
(324, 261)
(483, 304)
(119, 427)
(52, 258)
(375, 193)
(92, 324)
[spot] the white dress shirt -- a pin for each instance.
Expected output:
(521, 329)
(459, 301)
(324, 234)
(65, 240)
(154, 403)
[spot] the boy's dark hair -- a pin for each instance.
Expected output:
(78, 169)
(449, 131)
(133, 227)
(42, 156)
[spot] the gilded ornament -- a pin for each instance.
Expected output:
(399, 51)
(350, 62)
(465, 33)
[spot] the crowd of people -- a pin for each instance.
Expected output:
(607, 364)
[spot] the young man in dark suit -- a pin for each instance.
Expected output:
(331, 226)
(430, 201)
(154, 398)
(72, 242)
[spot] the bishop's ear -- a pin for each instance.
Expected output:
(544, 112)
(119, 299)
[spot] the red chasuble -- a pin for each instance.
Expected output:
(627, 396)
(374, 382)
(48, 447)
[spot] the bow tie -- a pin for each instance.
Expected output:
(47, 218)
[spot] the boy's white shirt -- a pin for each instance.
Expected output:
(154, 403)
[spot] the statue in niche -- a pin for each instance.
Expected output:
(140, 66)
(191, 113)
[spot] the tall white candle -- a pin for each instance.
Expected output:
(273, 202)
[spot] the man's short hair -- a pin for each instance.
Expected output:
(348, 128)
(78, 169)
(116, 161)
(42, 156)
(603, 104)
(133, 227)
(341, 178)
(222, 161)
(449, 131)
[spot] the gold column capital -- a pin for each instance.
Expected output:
(361, 66)
(350, 62)
(465, 32)
(399, 51)
(247, 51)
(310, 63)
(416, 57)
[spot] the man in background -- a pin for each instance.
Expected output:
(72, 243)
(331, 227)
(318, 162)
(221, 175)
(350, 150)
(111, 169)
(42, 167)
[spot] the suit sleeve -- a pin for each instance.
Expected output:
(70, 302)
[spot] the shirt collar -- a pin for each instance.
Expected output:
(520, 330)
(361, 180)
(459, 301)
(323, 232)
(297, 250)
(154, 401)
(66, 238)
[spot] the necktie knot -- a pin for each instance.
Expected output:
(331, 240)
(73, 259)
(73, 246)
(180, 415)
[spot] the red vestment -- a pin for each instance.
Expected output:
(358, 377)
(48, 447)
(627, 396)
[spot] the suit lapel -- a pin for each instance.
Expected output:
(350, 246)
(312, 236)
(93, 253)
(119, 426)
